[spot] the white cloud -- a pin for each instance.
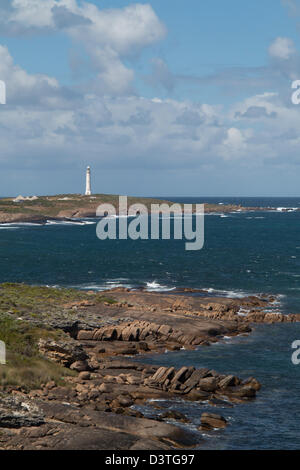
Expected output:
(123, 30)
(47, 125)
(161, 75)
(109, 36)
(22, 86)
(44, 124)
(282, 48)
(234, 145)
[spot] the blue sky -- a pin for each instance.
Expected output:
(159, 97)
(203, 37)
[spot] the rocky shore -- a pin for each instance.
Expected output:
(75, 206)
(94, 340)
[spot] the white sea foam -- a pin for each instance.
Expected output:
(22, 224)
(105, 285)
(68, 222)
(114, 216)
(157, 399)
(286, 209)
(269, 310)
(156, 287)
(84, 221)
(214, 213)
(227, 293)
(243, 312)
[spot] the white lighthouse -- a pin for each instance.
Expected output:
(88, 182)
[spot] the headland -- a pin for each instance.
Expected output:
(76, 206)
(72, 382)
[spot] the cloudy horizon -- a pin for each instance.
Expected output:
(159, 98)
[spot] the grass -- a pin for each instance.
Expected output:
(50, 206)
(103, 298)
(21, 337)
(21, 299)
(30, 374)
(25, 367)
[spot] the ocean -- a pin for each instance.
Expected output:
(244, 253)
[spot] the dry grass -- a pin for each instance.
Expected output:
(30, 373)
(25, 367)
(21, 299)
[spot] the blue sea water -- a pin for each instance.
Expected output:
(252, 252)
(244, 253)
(271, 421)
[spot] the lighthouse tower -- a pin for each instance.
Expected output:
(88, 182)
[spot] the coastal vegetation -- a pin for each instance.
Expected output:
(19, 299)
(71, 380)
(25, 366)
(76, 205)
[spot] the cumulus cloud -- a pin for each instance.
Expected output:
(283, 64)
(23, 87)
(161, 75)
(189, 118)
(142, 117)
(108, 36)
(282, 48)
(255, 112)
(234, 144)
(134, 133)
(64, 18)
(46, 125)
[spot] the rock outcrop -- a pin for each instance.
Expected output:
(211, 421)
(18, 412)
(65, 352)
(96, 405)
(141, 331)
(191, 383)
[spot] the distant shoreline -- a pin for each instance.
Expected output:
(75, 206)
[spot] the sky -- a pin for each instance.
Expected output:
(160, 98)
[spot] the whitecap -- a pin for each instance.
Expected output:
(286, 209)
(156, 287)
(65, 222)
(114, 216)
(25, 224)
(229, 293)
(105, 285)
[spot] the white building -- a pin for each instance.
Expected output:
(88, 191)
